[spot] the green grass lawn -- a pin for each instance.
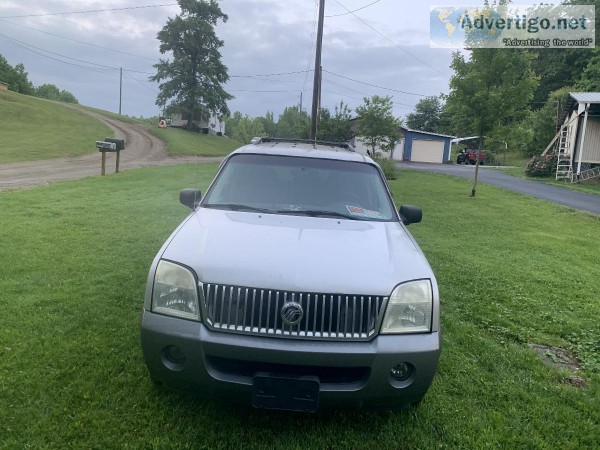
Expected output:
(512, 271)
(34, 129)
(181, 142)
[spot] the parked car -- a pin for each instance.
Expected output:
(294, 284)
(467, 155)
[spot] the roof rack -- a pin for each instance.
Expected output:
(344, 145)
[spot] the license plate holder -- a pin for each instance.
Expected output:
(285, 392)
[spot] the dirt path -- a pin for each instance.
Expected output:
(142, 149)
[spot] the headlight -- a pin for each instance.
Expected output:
(409, 309)
(175, 292)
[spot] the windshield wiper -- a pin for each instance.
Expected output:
(316, 213)
(236, 207)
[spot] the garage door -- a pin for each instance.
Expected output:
(427, 151)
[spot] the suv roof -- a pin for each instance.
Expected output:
(304, 148)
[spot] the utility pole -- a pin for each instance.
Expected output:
(317, 77)
(300, 101)
(120, 88)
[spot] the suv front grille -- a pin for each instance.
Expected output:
(324, 316)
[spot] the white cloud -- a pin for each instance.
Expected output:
(261, 37)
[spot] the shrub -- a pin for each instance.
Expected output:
(388, 167)
(541, 166)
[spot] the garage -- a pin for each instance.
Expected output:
(427, 151)
(423, 146)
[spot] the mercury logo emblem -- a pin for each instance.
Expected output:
(292, 313)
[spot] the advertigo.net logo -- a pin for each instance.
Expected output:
(510, 26)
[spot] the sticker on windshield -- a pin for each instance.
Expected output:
(361, 212)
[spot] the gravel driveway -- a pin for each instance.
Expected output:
(141, 149)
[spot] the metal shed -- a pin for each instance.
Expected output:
(423, 146)
(577, 142)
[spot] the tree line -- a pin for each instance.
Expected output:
(18, 81)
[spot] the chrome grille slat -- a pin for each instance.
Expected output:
(256, 311)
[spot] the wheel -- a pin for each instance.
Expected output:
(472, 162)
(481, 163)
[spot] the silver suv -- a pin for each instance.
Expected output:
(294, 284)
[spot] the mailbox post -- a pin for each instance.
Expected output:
(110, 145)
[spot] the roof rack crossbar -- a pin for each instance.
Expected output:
(344, 145)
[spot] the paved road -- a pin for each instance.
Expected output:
(566, 197)
(142, 149)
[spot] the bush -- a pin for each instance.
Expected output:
(541, 166)
(388, 167)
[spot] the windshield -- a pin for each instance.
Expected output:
(301, 186)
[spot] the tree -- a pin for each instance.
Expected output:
(377, 126)
(269, 124)
(293, 123)
(336, 127)
(191, 83)
(491, 89)
(590, 79)
(426, 116)
(16, 77)
(244, 128)
(67, 97)
(48, 91)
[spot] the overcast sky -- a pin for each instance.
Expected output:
(388, 47)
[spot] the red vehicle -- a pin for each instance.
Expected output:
(469, 155)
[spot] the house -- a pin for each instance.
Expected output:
(577, 142)
(211, 125)
(416, 146)
(3, 86)
(423, 146)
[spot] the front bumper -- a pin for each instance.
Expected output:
(352, 374)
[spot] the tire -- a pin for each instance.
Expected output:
(481, 163)
(472, 162)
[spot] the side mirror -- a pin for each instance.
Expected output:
(410, 214)
(190, 197)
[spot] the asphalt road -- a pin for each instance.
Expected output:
(566, 197)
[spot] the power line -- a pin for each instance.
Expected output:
(354, 10)
(75, 40)
(102, 66)
(87, 11)
(269, 74)
(58, 54)
(311, 47)
(389, 40)
(92, 69)
(374, 85)
(140, 82)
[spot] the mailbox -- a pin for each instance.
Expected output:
(103, 146)
(120, 143)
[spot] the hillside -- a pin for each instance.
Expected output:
(180, 142)
(35, 129)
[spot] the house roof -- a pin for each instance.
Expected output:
(410, 130)
(586, 97)
(579, 97)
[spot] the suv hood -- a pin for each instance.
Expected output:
(297, 253)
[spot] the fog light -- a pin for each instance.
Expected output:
(401, 372)
(173, 357)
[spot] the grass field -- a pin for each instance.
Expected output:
(181, 142)
(512, 271)
(34, 129)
